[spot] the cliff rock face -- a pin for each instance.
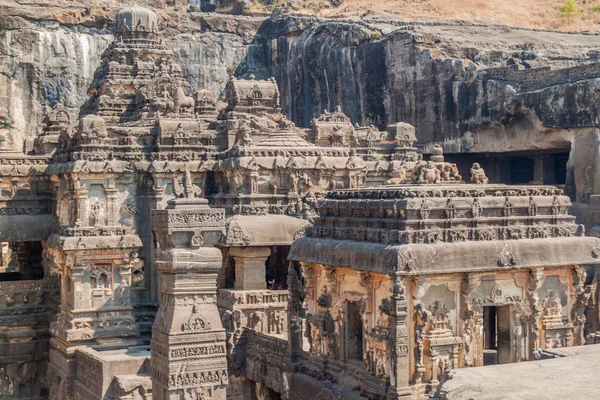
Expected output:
(446, 78)
(48, 57)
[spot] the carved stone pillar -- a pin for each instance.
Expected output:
(188, 340)
(399, 372)
(538, 169)
(157, 196)
(250, 267)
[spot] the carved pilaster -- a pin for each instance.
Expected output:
(81, 196)
(536, 279)
(111, 206)
(399, 372)
(295, 311)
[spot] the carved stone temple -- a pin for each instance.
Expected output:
(167, 243)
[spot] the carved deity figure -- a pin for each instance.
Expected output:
(552, 304)
(337, 136)
(97, 213)
(449, 172)
(478, 174)
(179, 132)
(244, 134)
(429, 174)
(398, 176)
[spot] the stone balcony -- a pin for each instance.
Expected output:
(264, 311)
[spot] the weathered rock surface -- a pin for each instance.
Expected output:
(446, 78)
(442, 77)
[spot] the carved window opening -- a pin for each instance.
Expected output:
(211, 186)
(496, 335)
(21, 261)
(227, 274)
(354, 331)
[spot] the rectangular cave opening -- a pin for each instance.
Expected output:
(547, 167)
(21, 261)
(354, 332)
(521, 170)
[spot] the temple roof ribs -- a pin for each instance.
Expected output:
(136, 21)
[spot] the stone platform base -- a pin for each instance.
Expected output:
(116, 374)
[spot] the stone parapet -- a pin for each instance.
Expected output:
(431, 214)
(263, 311)
(245, 299)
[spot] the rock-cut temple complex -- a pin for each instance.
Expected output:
(165, 245)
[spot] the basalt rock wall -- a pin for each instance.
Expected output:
(448, 79)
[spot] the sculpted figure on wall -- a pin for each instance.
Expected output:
(478, 174)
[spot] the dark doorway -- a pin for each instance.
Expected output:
(354, 332)
(560, 168)
(276, 268)
(521, 170)
(490, 349)
(21, 261)
(496, 335)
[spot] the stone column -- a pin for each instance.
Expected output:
(538, 169)
(399, 372)
(250, 269)
(188, 341)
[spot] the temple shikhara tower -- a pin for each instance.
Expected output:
(171, 243)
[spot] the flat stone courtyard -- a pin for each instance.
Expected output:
(573, 375)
